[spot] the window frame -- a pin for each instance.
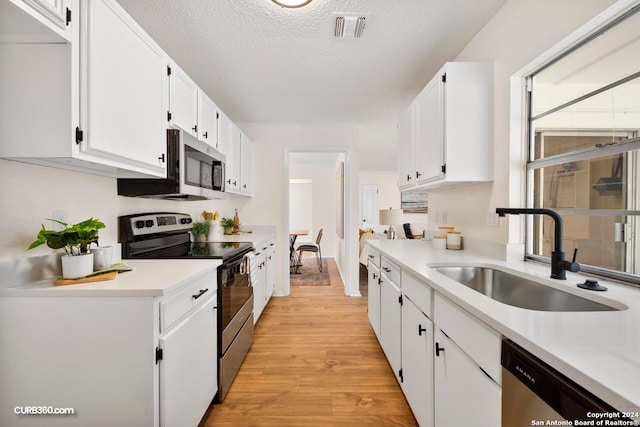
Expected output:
(522, 133)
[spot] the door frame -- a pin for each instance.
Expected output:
(351, 285)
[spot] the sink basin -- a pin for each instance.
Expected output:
(518, 291)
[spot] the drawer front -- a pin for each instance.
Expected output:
(391, 270)
(177, 305)
(477, 340)
(373, 257)
(419, 293)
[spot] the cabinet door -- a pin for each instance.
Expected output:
(124, 91)
(183, 101)
(373, 297)
(225, 133)
(417, 362)
(55, 11)
(406, 154)
(390, 324)
(189, 368)
(271, 271)
(464, 394)
(246, 165)
(429, 133)
(233, 160)
(259, 285)
(207, 121)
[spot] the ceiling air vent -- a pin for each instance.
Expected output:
(349, 25)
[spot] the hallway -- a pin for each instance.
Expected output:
(314, 362)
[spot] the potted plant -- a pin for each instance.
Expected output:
(75, 240)
(227, 224)
(200, 230)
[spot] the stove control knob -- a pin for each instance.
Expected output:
(148, 223)
(139, 224)
(189, 221)
(184, 221)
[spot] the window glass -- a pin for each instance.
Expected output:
(584, 149)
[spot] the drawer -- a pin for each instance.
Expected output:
(177, 305)
(373, 257)
(480, 342)
(419, 293)
(391, 270)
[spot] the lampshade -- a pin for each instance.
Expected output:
(291, 3)
(390, 216)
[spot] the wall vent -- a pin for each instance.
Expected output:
(349, 25)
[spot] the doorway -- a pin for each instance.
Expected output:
(337, 238)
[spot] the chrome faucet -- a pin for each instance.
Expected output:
(558, 263)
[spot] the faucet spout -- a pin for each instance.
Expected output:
(559, 265)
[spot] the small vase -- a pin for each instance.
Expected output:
(74, 267)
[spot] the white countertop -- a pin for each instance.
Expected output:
(256, 234)
(148, 278)
(599, 350)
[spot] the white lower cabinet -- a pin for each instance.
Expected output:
(449, 378)
(117, 360)
(189, 372)
(390, 322)
(373, 298)
(263, 276)
(259, 280)
(417, 362)
(464, 394)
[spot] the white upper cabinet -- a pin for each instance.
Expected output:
(183, 101)
(406, 148)
(36, 21)
(446, 135)
(246, 165)
(207, 120)
(190, 109)
(123, 87)
(101, 97)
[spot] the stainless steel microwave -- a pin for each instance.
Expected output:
(195, 171)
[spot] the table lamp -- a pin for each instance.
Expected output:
(390, 217)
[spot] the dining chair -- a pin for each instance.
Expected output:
(310, 247)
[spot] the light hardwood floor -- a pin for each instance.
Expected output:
(314, 362)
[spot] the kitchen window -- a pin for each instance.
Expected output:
(584, 151)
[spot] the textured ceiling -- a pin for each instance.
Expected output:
(263, 63)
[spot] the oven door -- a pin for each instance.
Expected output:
(234, 290)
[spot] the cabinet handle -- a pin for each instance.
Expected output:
(206, 135)
(195, 128)
(408, 177)
(418, 174)
(244, 186)
(439, 349)
(388, 270)
(421, 330)
(375, 276)
(199, 294)
(229, 181)
(379, 281)
(161, 158)
(235, 183)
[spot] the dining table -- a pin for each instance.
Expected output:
(294, 258)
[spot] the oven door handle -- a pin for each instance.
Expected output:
(199, 294)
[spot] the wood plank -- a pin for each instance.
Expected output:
(315, 361)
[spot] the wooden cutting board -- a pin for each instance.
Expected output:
(110, 275)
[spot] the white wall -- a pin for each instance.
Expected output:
(516, 35)
(323, 199)
(267, 205)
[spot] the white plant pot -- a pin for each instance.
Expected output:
(77, 266)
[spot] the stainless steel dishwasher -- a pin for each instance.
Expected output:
(533, 393)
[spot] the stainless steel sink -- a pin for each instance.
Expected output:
(518, 291)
